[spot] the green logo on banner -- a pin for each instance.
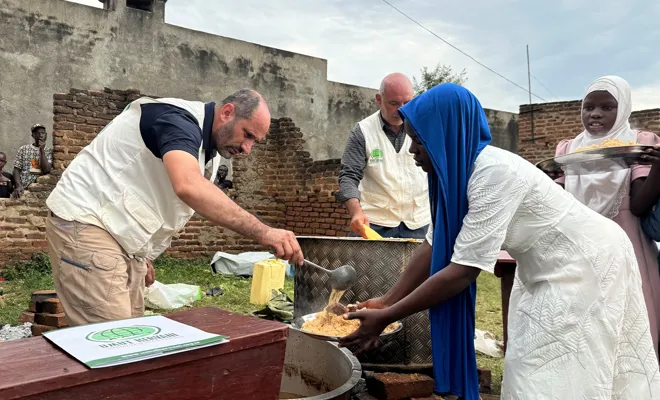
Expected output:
(124, 333)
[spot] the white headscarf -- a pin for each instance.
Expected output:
(604, 192)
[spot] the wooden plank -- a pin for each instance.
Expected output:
(33, 367)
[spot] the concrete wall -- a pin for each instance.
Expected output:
(504, 129)
(49, 46)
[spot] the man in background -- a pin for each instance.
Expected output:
(32, 160)
(379, 183)
(221, 179)
(6, 179)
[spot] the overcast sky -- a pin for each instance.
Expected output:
(572, 42)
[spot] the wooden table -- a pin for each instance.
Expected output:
(505, 269)
(249, 367)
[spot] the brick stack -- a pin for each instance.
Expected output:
(554, 122)
(45, 313)
(409, 386)
(392, 386)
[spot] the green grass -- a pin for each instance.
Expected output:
(30, 276)
(489, 318)
(236, 296)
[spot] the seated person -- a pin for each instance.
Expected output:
(6, 179)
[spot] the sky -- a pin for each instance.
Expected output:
(571, 42)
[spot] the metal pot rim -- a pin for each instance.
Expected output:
(346, 387)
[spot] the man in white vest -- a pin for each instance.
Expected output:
(125, 195)
(379, 183)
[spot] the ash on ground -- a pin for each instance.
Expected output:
(9, 332)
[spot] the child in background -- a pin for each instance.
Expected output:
(624, 196)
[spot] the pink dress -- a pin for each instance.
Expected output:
(645, 248)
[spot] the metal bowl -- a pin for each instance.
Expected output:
(297, 324)
(595, 161)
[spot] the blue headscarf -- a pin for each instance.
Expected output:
(452, 126)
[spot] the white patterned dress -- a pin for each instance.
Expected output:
(578, 327)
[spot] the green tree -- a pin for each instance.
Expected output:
(441, 74)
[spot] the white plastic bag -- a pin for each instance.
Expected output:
(484, 342)
(171, 296)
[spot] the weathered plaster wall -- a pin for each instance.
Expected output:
(504, 129)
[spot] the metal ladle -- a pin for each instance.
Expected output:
(341, 278)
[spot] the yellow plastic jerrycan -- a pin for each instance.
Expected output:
(268, 275)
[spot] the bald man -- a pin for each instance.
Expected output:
(136, 185)
(379, 183)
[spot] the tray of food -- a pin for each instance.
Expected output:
(611, 155)
(329, 326)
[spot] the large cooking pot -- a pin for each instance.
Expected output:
(317, 370)
(378, 264)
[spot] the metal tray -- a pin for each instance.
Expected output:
(594, 161)
(298, 322)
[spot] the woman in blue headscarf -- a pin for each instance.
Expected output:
(577, 326)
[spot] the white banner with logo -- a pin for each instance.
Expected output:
(125, 341)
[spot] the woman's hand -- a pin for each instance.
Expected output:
(374, 303)
(652, 157)
(372, 324)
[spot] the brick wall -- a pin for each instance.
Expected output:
(554, 122)
(279, 183)
(315, 211)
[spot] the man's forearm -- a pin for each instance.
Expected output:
(213, 204)
(17, 177)
(644, 193)
(44, 163)
(416, 272)
(353, 207)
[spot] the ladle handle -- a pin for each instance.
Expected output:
(316, 266)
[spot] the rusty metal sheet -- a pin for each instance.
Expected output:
(378, 264)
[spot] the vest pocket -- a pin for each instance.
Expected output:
(131, 222)
(374, 199)
(88, 276)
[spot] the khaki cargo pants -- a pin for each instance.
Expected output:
(94, 278)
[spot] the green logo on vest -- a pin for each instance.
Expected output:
(376, 156)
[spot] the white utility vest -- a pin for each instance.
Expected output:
(117, 184)
(393, 189)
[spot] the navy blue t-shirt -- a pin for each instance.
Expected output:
(165, 127)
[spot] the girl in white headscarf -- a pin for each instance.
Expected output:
(626, 195)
